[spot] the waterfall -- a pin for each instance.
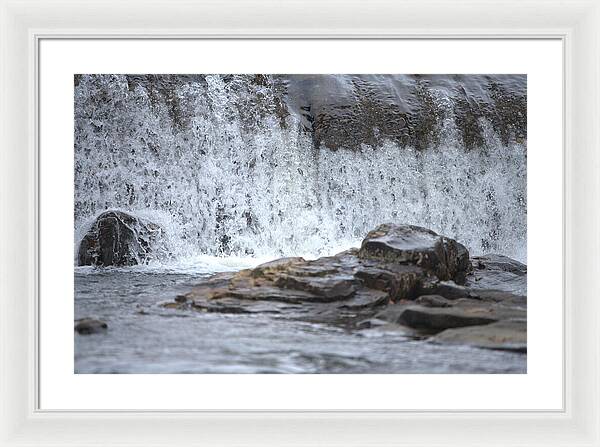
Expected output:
(245, 165)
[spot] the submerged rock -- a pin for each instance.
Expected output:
(510, 335)
(404, 276)
(86, 326)
(498, 272)
(440, 314)
(118, 239)
(434, 319)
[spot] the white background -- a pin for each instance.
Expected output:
(540, 388)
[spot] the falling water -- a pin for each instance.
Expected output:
(230, 167)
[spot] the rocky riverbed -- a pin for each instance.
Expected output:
(406, 300)
(403, 278)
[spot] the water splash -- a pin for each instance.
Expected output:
(217, 163)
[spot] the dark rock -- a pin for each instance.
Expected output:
(117, 239)
(365, 299)
(434, 319)
(418, 317)
(508, 335)
(409, 244)
(86, 326)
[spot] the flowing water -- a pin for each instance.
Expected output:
(236, 170)
(146, 338)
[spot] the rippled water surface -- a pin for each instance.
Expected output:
(142, 337)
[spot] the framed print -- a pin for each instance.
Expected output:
(317, 232)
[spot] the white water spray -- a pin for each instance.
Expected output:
(225, 174)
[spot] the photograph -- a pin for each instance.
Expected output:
(300, 223)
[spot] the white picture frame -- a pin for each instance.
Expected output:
(23, 24)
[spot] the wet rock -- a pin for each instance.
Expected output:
(433, 301)
(448, 289)
(332, 289)
(403, 277)
(409, 244)
(119, 239)
(510, 335)
(498, 272)
(86, 326)
(435, 319)
(398, 281)
(418, 317)
(180, 299)
(431, 314)
(341, 289)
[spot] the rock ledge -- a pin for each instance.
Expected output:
(402, 275)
